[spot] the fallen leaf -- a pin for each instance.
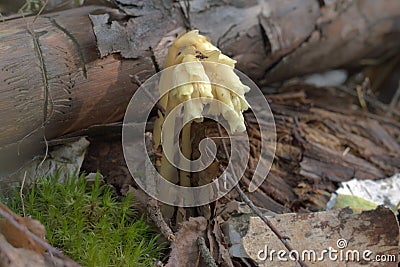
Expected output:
(224, 257)
(18, 238)
(185, 251)
(357, 204)
(18, 257)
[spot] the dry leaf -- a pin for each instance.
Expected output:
(224, 257)
(184, 251)
(18, 257)
(18, 238)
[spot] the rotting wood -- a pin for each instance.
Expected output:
(303, 129)
(263, 36)
(63, 85)
(297, 180)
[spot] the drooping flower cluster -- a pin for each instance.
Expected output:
(208, 74)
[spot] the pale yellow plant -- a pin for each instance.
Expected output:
(192, 82)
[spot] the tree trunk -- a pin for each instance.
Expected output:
(53, 82)
(51, 75)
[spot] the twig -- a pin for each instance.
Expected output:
(205, 253)
(154, 60)
(47, 149)
(246, 262)
(40, 11)
(394, 101)
(187, 4)
(373, 102)
(135, 80)
(361, 99)
(186, 14)
(361, 89)
(396, 208)
(153, 208)
(21, 195)
(44, 244)
(155, 214)
(256, 210)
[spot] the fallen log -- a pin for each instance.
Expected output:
(53, 82)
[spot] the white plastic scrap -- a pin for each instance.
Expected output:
(382, 192)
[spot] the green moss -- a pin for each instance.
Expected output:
(89, 224)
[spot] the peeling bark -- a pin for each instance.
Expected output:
(53, 82)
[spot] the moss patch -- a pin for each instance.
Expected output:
(89, 224)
